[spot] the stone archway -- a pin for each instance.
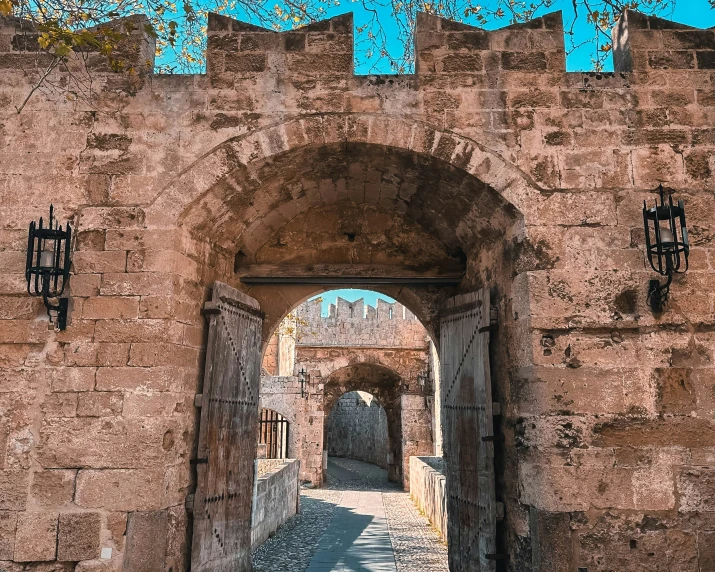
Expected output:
(356, 428)
(385, 385)
(250, 150)
(356, 196)
(236, 204)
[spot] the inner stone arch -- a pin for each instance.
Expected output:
(356, 429)
(385, 385)
(355, 208)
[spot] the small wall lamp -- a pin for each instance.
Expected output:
(423, 378)
(667, 250)
(303, 379)
(48, 265)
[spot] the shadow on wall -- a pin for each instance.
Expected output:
(357, 429)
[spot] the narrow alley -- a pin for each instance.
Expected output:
(357, 522)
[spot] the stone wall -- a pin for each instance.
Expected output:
(490, 161)
(357, 324)
(276, 498)
(427, 490)
(357, 429)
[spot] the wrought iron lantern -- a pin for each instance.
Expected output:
(48, 265)
(303, 379)
(423, 379)
(666, 239)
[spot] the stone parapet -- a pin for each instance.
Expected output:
(648, 43)
(352, 324)
(276, 498)
(427, 490)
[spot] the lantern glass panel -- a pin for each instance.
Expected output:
(47, 257)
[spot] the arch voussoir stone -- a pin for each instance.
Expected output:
(318, 130)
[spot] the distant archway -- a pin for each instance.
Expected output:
(385, 385)
(356, 428)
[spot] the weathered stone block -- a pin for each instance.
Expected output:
(146, 541)
(117, 527)
(101, 442)
(676, 393)
(8, 524)
(138, 331)
(36, 537)
(60, 405)
(78, 536)
(99, 403)
(562, 488)
(551, 549)
(108, 307)
(155, 405)
(696, 488)
(679, 432)
(99, 262)
(13, 489)
(132, 378)
(72, 378)
(671, 60)
(119, 490)
(53, 488)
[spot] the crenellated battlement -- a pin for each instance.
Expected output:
(237, 49)
(645, 43)
(443, 46)
(359, 324)
(344, 310)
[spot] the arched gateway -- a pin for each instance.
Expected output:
(495, 195)
(352, 199)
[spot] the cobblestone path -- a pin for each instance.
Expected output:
(358, 522)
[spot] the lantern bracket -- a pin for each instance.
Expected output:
(667, 245)
(47, 270)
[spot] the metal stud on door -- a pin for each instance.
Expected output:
(468, 432)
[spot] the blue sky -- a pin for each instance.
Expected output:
(697, 13)
(350, 295)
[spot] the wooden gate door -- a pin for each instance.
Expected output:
(228, 433)
(468, 432)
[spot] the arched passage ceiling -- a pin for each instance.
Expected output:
(351, 203)
(378, 380)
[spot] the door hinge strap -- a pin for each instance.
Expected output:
(210, 308)
(488, 438)
(489, 328)
(198, 461)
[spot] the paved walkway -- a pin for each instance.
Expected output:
(358, 522)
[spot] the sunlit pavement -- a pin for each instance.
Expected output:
(359, 522)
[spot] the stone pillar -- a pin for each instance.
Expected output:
(416, 432)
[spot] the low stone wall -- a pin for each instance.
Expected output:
(427, 489)
(276, 497)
